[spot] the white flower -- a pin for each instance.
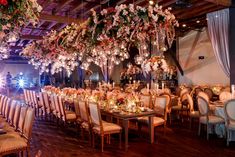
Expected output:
(104, 12)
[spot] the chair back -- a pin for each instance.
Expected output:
(2, 103)
(28, 123)
(41, 100)
(197, 90)
(57, 106)
(83, 111)
(183, 91)
(35, 99)
(224, 96)
(52, 104)
(31, 98)
(203, 106)
(160, 105)
(168, 100)
(25, 96)
(76, 107)
(22, 118)
(12, 111)
(61, 107)
(46, 101)
(190, 102)
(16, 116)
(7, 108)
(229, 109)
(146, 100)
(95, 114)
(204, 95)
(209, 92)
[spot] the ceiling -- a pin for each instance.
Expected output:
(56, 14)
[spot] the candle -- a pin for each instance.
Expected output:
(157, 86)
(162, 85)
(113, 84)
(134, 81)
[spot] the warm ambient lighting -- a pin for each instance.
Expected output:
(184, 25)
(151, 2)
(197, 21)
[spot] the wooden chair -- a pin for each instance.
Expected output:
(160, 105)
(66, 115)
(12, 144)
(85, 118)
(192, 113)
(48, 110)
(100, 127)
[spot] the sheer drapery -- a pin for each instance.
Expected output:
(218, 28)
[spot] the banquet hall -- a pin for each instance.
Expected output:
(117, 78)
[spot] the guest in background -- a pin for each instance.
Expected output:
(8, 79)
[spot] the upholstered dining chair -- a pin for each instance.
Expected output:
(204, 116)
(100, 127)
(209, 92)
(66, 115)
(160, 105)
(85, 118)
(192, 113)
(2, 101)
(169, 105)
(48, 110)
(53, 107)
(224, 96)
(12, 112)
(181, 106)
(16, 116)
(229, 109)
(21, 121)
(205, 96)
(146, 100)
(13, 144)
(7, 108)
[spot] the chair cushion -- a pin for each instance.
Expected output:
(156, 120)
(71, 116)
(212, 119)
(108, 127)
(194, 114)
(10, 143)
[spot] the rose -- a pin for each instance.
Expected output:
(3, 2)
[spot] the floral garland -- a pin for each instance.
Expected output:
(105, 38)
(13, 15)
(155, 63)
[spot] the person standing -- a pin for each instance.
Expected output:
(8, 82)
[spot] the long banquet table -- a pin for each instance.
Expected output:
(128, 116)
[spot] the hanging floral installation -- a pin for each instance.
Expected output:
(105, 38)
(13, 15)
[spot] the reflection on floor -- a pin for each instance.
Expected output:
(52, 141)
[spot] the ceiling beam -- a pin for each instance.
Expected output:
(62, 5)
(59, 19)
(79, 6)
(30, 37)
(226, 3)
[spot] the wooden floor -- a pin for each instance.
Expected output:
(179, 141)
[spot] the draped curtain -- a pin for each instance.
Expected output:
(218, 28)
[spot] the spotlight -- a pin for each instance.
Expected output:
(21, 83)
(151, 2)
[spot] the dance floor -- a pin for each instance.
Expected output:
(50, 140)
